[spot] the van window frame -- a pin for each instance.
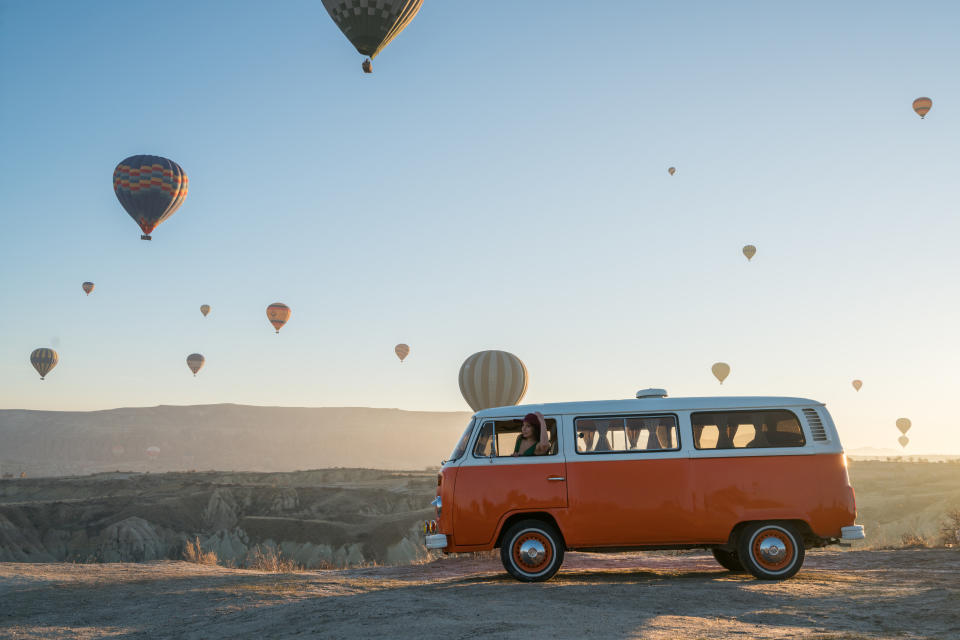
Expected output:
(626, 416)
(754, 450)
(496, 456)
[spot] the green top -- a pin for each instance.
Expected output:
(532, 451)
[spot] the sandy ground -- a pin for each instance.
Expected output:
(838, 595)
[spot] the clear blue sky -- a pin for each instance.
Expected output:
(499, 182)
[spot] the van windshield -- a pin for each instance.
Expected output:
(462, 443)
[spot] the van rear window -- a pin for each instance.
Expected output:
(628, 434)
(746, 430)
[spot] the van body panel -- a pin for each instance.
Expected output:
(489, 491)
(640, 500)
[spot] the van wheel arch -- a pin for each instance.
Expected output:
(512, 519)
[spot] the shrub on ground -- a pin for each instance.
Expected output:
(195, 553)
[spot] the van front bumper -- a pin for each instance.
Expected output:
(854, 532)
(436, 541)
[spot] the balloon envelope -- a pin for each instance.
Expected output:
(402, 351)
(370, 28)
(749, 251)
(153, 452)
(43, 360)
(672, 170)
(922, 106)
(493, 379)
(903, 440)
(88, 287)
(904, 425)
(150, 188)
(720, 370)
(857, 384)
(278, 314)
(195, 362)
(204, 309)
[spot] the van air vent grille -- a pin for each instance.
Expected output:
(816, 425)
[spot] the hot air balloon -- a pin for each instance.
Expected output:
(493, 379)
(117, 450)
(195, 362)
(278, 314)
(672, 170)
(150, 188)
(720, 371)
(922, 106)
(43, 360)
(153, 451)
(402, 351)
(749, 251)
(370, 28)
(904, 425)
(903, 440)
(204, 309)
(857, 384)
(88, 287)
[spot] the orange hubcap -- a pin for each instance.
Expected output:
(532, 552)
(773, 549)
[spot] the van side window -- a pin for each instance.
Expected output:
(626, 434)
(498, 438)
(746, 429)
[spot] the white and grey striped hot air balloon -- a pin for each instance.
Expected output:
(493, 379)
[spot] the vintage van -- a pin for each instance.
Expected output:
(757, 480)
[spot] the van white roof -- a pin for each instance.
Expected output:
(649, 404)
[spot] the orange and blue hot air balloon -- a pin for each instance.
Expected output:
(150, 188)
(278, 314)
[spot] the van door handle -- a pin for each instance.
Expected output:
(556, 478)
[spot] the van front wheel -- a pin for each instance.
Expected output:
(770, 550)
(531, 551)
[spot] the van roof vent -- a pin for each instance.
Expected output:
(816, 425)
(652, 393)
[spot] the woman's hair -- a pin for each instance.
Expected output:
(533, 421)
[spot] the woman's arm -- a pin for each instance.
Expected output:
(543, 447)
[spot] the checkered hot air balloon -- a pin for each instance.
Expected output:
(278, 314)
(150, 188)
(370, 25)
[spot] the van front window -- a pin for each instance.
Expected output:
(461, 447)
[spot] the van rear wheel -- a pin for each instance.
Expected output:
(531, 551)
(770, 550)
(728, 560)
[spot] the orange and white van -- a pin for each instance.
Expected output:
(757, 480)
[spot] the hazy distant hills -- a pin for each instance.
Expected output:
(223, 437)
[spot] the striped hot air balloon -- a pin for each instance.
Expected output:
(402, 351)
(493, 379)
(371, 26)
(195, 362)
(204, 309)
(922, 106)
(87, 287)
(43, 360)
(278, 314)
(150, 188)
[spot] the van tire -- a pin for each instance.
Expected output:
(728, 560)
(544, 539)
(779, 537)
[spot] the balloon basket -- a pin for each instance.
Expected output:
(367, 66)
(145, 237)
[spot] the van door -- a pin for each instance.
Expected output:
(629, 482)
(492, 483)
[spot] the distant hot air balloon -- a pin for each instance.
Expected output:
(904, 425)
(720, 371)
(370, 29)
(88, 287)
(195, 362)
(903, 440)
(493, 379)
(153, 451)
(857, 384)
(278, 314)
(672, 170)
(204, 309)
(43, 360)
(922, 106)
(749, 251)
(402, 351)
(117, 450)
(150, 188)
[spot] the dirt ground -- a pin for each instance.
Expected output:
(849, 595)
